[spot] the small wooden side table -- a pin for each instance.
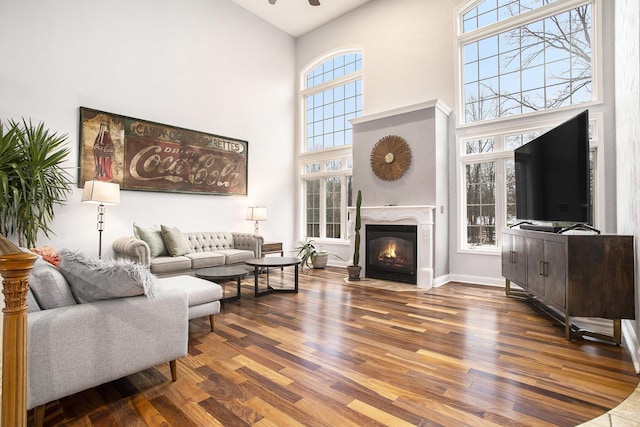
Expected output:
(272, 248)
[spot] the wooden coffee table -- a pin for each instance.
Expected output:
(260, 263)
(224, 272)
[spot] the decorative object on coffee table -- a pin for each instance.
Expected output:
(354, 269)
(390, 157)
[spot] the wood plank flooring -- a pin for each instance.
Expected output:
(336, 354)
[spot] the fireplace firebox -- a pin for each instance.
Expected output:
(391, 252)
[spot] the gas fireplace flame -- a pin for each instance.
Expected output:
(388, 252)
(391, 255)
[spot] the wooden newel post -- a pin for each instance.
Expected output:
(15, 266)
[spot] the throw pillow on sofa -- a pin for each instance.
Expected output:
(153, 237)
(32, 303)
(48, 254)
(49, 286)
(177, 244)
(92, 279)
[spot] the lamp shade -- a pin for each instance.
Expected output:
(107, 193)
(256, 214)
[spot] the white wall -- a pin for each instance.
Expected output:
(199, 64)
(407, 50)
(627, 53)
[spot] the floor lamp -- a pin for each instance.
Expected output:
(256, 214)
(103, 193)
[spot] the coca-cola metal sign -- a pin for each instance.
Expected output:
(144, 155)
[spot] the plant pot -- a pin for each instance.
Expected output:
(354, 272)
(320, 260)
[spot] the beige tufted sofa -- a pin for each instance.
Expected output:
(201, 250)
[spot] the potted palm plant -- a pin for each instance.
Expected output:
(354, 269)
(32, 179)
(312, 255)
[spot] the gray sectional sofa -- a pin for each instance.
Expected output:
(168, 252)
(92, 321)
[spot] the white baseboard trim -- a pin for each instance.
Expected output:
(441, 280)
(477, 280)
(630, 340)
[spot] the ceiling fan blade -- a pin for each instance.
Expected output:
(314, 2)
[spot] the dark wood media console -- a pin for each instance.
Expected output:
(574, 275)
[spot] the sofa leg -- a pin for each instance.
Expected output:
(212, 321)
(38, 415)
(174, 370)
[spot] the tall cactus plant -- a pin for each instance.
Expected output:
(356, 250)
(354, 270)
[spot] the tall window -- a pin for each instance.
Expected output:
(540, 64)
(332, 95)
(517, 58)
(489, 177)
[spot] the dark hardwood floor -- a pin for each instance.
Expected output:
(336, 354)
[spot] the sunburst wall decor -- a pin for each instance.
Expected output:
(390, 157)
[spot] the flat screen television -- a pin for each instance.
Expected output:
(552, 175)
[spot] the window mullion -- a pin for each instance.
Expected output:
(323, 207)
(344, 204)
(521, 19)
(500, 198)
(352, 77)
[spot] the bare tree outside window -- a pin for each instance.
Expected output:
(481, 217)
(542, 65)
(514, 65)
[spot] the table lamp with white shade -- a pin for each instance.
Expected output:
(256, 214)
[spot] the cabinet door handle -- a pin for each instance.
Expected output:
(513, 257)
(543, 268)
(540, 272)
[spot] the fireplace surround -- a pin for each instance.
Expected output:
(419, 216)
(421, 196)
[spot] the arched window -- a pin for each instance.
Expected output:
(331, 96)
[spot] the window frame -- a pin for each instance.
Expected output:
(520, 20)
(523, 123)
(343, 153)
(501, 155)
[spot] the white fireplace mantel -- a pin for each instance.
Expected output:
(421, 216)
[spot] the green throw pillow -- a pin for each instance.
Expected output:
(177, 244)
(153, 237)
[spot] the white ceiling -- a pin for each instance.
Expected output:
(297, 17)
